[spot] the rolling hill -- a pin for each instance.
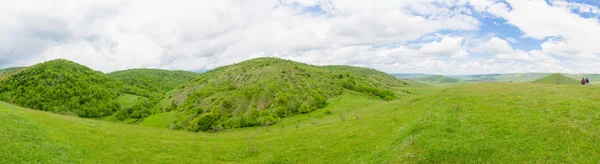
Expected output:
(65, 87)
(262, 91)
(155, 80)
(514, 77)
(5, 73)
(437, 79)
(557, 79)
(470, 123)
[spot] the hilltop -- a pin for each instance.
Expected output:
(262, 91)
(65, 87)
(155, 80)
(557, 79)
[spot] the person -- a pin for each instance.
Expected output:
(582, 81)
(587, 81)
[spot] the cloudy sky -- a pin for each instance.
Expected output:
(394, 36)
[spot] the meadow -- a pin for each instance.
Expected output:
(462, 123)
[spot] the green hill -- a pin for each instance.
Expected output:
(471, 123)
(557, 79)
(155, 80)
(65, 87)
(514, 77)
(262, 91)
(437, 79)
(5, 73)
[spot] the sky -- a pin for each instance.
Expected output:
(449, 37)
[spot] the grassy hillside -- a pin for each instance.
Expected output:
(5, 73)
(514, 77)
(437, 79)
(154, 80)
(557, 79)
(473, 123)
(409, 75)
(262, 91)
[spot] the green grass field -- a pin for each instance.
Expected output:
(160, 120)
(128, 100)
(463, 123)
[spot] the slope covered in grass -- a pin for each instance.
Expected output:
(437, 79)
(7, 72)
(557, 79)
(155, 80)
(262, 91)
(514, 77)
(473, 123)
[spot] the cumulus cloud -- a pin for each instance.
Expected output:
(119, 34)
(516, 55)
(430, 36)
(448, 46)
(496, 46)
(569, 34)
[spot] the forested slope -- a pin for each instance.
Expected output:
(65, 87)
(261, 91)
(155, 80)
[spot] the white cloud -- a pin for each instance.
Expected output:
(516, 55)
(496, 46)
(580, 7)
(537, 19)
(431, 36)
(121, 34)
(448, 46)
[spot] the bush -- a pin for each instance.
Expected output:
(205, 122)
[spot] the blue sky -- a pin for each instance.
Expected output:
(395, 36)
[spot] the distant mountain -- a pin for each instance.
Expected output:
(155, 80)
(409, 75)
(557, 79)
(515, 77)
(437, 79)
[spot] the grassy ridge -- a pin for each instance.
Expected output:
(437, 79)
(557, 79)
(514, 77)
(488, 122)
(5, 73)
